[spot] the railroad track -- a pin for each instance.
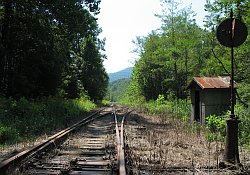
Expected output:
(92, 146)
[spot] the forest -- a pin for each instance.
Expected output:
(51, 65)
(50, 48)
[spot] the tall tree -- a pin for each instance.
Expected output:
(39, 41)
(93, 75)
(169, 56)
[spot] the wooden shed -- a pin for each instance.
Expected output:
(209, 95)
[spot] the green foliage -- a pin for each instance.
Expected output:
(155, 108)
(171, 55)
(104, 102)
(179, 50)
(181, 108)
(25, 118)
(160, 100)
(48, 48)
(93, 77)
(133, 95)
(216, 123)
(244, 92)
(210, 137)
(8, 135)
(116, 89)
(243, 114)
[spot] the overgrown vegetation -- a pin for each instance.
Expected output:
(170, 56)
(24, 119)
(215, 127)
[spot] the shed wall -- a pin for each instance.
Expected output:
(216, 101)
(212, 101)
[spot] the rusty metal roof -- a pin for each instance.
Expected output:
(212, 82)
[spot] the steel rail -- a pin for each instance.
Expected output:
(14, 160)
(122, 169)
(120, 143)
(122, 166)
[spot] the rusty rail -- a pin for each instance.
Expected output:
(16, 159)
(120, 144)
(122, 168)
(118, 140)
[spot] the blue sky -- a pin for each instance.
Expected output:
(123, 20)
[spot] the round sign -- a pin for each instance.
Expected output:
(231, 32)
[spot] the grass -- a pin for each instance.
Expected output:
(25, 119)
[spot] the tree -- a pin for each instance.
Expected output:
(170, 56)
(93, 76)
(218, 11)
(40, 43)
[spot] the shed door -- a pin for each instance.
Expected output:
(197, 106)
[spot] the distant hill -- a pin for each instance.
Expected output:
(125, 73)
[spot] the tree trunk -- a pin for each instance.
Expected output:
(7, 59)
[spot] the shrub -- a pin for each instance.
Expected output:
(160, 100)
(216, 123)
(8, 135)
(217, 128)
(243, 114)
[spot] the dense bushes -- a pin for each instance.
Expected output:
(217, 125)
(24, 118)
(244, 126)
(180, 108)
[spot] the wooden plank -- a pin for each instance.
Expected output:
(96, 172)
(43, 171)
(93, 163)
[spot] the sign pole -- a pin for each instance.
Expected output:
(231, 149)
(232, 33)
(232, 65)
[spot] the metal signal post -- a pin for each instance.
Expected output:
(232, 33)
(231, 149)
